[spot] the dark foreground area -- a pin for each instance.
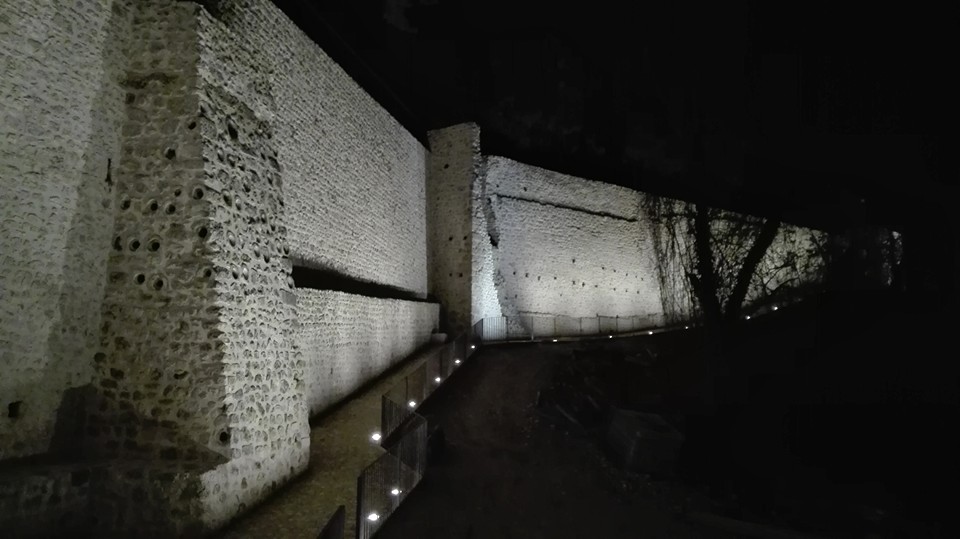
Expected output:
(507, 472)
(833, 418)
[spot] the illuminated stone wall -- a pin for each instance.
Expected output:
(61, 106)
(453, 176)
(353, 176)
(568, 246)
(347, 339)
(161, 180)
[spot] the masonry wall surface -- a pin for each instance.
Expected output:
(792, 264)
(347, 339)
(485, 299)
(354, 177)
(262, 421)
(155, 348)
(568, 246)
(454, 164)
(59, 136)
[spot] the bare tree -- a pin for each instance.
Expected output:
(718, 252)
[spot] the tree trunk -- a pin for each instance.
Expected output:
(705, 282)
(759, 248)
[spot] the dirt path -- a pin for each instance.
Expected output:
(506, 474)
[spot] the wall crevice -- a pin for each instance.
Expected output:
(572, 208)
(307, 277)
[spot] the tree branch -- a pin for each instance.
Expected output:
(759, 248)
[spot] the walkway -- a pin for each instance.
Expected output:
(507, 473)
(340, 448)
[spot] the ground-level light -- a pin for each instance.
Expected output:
(649, 333)
(610, 336)
(373, 517)
(437, 379)
(775, 307)
(686, 327)
(395, 491)
(456, 361)
(748, 317)
(473, 347)
(412, 404)
(554, 340)
(375, 436)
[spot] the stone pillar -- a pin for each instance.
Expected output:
(452, 170)
(199, 401)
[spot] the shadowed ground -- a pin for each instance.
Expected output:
(506, 473)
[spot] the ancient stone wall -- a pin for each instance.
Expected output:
(354, 177)
(156, 343)
(485, 297)
(792, 264)
(60, 117)
(451, 176)
(262, 419)
(568, 246)
(347, 339)
(158, 413)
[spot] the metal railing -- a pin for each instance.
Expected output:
(531, 327)
(386, 482)
(400, 401)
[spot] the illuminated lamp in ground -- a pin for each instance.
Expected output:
(373, 517)
(437, 379)
(375, 436)
(395, 491)
(456, 361)
(412, 404)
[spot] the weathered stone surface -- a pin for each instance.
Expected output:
(354, 177)
(347, 339)
(453, 175)
(568, 246)
(60, 67)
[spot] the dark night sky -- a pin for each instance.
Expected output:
(793, 112)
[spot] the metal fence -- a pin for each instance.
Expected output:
(532, 327)
(385, 483)
(400, 401)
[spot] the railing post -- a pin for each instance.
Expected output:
(359, 515)
(399, 483)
